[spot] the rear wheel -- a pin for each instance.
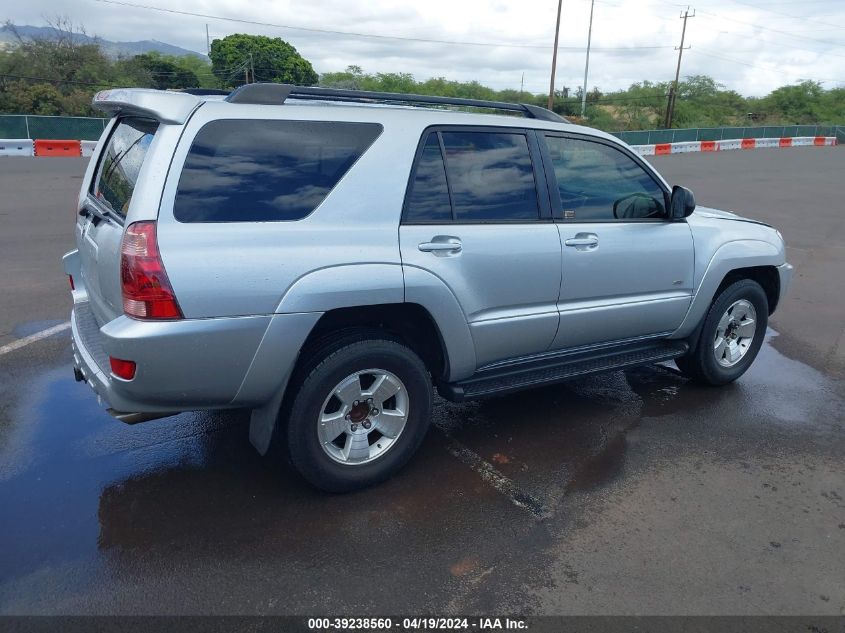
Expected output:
(731, 335)
(362, 409)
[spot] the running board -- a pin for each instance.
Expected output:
(556, 368)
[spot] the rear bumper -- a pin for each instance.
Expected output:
(188, 364)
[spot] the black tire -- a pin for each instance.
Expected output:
(701, 364)
(327, 365)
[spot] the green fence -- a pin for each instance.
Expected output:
(51, 127)
(649, 137)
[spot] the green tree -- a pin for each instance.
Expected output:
(795, 104)
(55, 75)
(158, 71)
(640, 107)
(350, 79)
(200, 66)
(261, 59)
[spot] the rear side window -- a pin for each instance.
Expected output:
(471, 176)
(428, 196)
(491, 176)
(121, 162)
(265, 171)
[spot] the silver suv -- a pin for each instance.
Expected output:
(327, 258)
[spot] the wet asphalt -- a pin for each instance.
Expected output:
(637, 492)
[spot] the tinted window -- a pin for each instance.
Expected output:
(256, 171)
(121, 162)
(599, 182)
(428, 195)
(490, 175)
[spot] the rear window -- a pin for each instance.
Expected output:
(265, 171)
(121, 162)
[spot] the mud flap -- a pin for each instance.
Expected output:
(262, 422)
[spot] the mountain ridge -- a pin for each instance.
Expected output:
(110, 48)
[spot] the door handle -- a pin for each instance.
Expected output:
(583, 241)
(442, 245)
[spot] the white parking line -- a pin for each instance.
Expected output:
(32, 338)
(497, 480)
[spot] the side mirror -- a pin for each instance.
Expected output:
(682, 203)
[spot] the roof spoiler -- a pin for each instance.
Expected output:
(166, 107)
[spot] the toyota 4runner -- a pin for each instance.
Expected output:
(328, 258)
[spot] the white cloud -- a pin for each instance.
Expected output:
(752, 49)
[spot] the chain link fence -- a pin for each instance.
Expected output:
(90, 128)
(51, 127)
(650, 137)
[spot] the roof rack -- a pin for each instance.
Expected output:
(203, 92)
(276, 94)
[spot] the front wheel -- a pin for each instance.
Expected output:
(360, 413)
(731, 335)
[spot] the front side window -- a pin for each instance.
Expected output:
(599, 182)
(121, 163)
(491, 176)
(266, 170)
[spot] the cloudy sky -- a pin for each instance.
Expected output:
(751, 46)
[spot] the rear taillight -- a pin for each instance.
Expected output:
(147, 293)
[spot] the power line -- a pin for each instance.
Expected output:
(700, 51)
(791, 47)
(757, 26)
(372, 35)
(802, 1)
(789, 15)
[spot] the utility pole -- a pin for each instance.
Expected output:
(207, 41)
(587, 64)
(673, 91)
(252, 67)
(554, 57)
(521, 84)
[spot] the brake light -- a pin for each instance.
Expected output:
(147, 293)
(122, 368)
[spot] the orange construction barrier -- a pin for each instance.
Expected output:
(785, 142)
(819, 140)
(57, 148)
(663, 148)
(708, 146)
(749, 143)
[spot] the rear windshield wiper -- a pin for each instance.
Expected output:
(92, 210)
